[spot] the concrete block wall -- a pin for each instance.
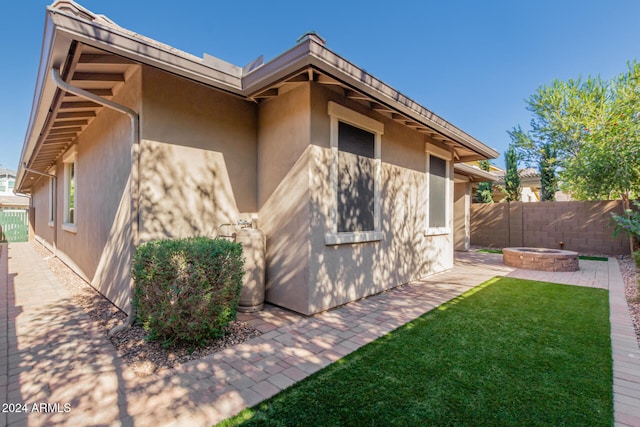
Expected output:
(584, 227)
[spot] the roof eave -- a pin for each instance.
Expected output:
(311, 53)
(55, 48)
(62, 28)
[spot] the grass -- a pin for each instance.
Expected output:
(593, 258)
(509, 352)
(584, 257)
(490, 251)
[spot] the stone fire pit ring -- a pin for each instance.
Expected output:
(540, 259)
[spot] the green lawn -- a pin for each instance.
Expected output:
(509, 352)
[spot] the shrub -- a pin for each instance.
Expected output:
(187, 290)
(629, 222)
(636, 259)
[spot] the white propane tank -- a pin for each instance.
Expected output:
(253, 248)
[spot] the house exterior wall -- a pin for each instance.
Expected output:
(304, 273)
(100, 249)
(40, 206)
(208, 158)
(461, 221)
(343, 273)
(198, 158)
(283, 182)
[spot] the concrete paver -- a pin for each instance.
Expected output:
(67, 373)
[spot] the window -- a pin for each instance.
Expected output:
(70, 191)
(355, 177)
(438, 197)
(52, 197)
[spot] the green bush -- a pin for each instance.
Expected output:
(187, 290)
(636, 258)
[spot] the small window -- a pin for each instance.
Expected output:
(70, 191)
(437, 192)
(52, 198)
(438, 198)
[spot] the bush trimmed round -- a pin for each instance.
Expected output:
(187, 290)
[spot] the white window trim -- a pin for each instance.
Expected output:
(71, 156)
(445, 155)
(52, 195)
(338, 113)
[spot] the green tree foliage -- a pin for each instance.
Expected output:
(485, 190)
(608, 164)
(511, 179)
(548, 179)
(587, 133)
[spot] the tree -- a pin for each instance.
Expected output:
(485, 190)
(587, 132)
(511, 179)
(543, 154)
(547, 169)
(608, 165)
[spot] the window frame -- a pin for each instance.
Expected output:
(447, 157)
(338, 113)
(52, 197)
(70, 158)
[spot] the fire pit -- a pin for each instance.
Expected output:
(540, 259)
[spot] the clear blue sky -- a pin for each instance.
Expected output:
(471, 62)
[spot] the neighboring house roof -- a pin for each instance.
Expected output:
(7, 172)
(14, 201)
(528, 176)
(473, 172)
(94, 53)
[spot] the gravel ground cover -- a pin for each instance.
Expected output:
(630, 276)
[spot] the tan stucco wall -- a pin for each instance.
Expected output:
(336, 274)
(198, 158)
(461, 206)
(101, 248)
(283, 182)
(40, 205)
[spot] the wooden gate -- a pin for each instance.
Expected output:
(15, 225)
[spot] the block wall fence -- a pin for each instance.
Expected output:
(584, 227)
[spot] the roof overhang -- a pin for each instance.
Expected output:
(110, 51)
(310, 60)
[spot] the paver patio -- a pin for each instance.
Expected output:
(53, 355)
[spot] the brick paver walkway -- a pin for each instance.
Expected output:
(52, 356)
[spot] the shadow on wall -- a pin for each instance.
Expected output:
(284, 218)
(183, 192)
(343, 273)
(112, 276)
